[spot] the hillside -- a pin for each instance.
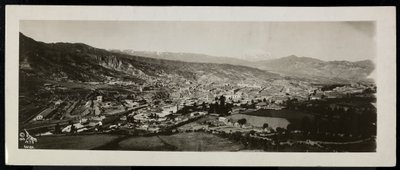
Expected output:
(80, 62)
(318, 69)
(187, 57)
(300, 67)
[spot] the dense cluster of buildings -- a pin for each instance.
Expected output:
(139, 109)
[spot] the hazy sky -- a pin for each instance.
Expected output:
(247, 40)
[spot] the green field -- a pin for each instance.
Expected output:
(76, 142)
(193, 141)
(196, 141)
(285, 113)
(258, 121)
(143, 143)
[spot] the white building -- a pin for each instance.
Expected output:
(170, 109)
(58, 102)
(131, 103)
(315, 98)
(99, 98)
(88, 103)
(233, 96)
(97, 111)
(167, 110)
(223, 119)
(38, 117)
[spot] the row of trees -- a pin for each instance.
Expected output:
(350, 125)
(220, 106)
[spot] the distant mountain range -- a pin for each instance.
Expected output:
(80, 62)
(314, 68)
(187, 57)
(301, 67)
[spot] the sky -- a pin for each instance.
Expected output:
(352, 41)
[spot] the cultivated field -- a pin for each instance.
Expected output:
(285, 113)
(78, 142)
(258, 121)
(196, 141)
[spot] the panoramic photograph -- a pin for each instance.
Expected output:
(202, 86)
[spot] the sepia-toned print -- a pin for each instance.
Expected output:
(205, 86)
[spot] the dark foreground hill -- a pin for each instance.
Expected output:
(80, 62)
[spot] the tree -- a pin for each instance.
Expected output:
(280, 130)
(236, 136)
(290, 127)
(265, 125)
(212, 108)
(161, 95)
(242, 121)
(218, 108)
(57, 129)
(203, 105)
(222, 100)
(73, 129)
(305, 124)
(157, 102)
(229, 107)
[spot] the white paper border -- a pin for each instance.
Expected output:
(386, 84)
